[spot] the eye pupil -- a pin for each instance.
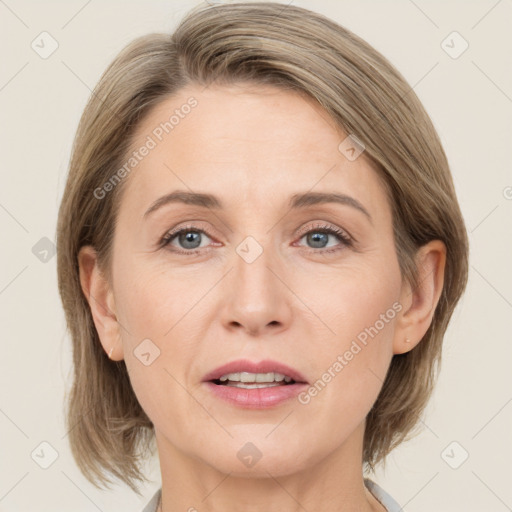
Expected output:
(318, 237)
(190, 237)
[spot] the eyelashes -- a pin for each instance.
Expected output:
(323, 229)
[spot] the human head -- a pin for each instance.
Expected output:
(294, 50)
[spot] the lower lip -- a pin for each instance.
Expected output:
(258, 398)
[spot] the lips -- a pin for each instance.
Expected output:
(245, 365)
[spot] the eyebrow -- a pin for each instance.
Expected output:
(297, 201)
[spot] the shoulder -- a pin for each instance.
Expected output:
(153, 502)
(385, 499)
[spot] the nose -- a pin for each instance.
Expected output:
(258, 300)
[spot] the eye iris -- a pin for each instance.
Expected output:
(314, 238)
(188, 236)
(191, 239)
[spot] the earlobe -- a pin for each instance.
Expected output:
(101, 302)
(420, 304)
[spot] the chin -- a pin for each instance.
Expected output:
(251, 461)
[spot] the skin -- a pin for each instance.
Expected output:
(252, 147)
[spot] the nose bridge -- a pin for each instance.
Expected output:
(258, 299)
(251, 266)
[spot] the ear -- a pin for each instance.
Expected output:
(419, 305)
(101, 301)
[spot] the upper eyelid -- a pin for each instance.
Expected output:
(320, 225)
(307, 228)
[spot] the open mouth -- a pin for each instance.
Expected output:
(246, 380)
(269, 384)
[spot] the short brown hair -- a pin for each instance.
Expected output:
(287, 47)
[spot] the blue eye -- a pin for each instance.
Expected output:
(319, 237)
(190, 237)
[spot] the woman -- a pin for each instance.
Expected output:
(259, 251)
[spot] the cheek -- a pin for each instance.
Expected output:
(151, 309)
(350, 365)
(156, 341)
(350, 300)
(152, 301)
(359, 304)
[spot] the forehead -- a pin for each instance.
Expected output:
(248, 144)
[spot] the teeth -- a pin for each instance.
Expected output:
(255, 377)
(253, 385)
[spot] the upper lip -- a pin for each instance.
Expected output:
(245, 365)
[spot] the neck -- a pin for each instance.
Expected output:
(332, 484)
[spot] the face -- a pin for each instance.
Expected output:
(252, 276)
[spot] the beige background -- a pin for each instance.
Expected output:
(470, 101)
